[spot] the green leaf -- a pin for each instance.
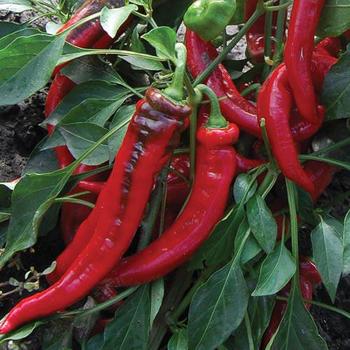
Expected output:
(346, 243)
(242, 185)
(112, 19)
(336, 89)
(136, 44)
(259, 311)
(163, 39)
(81, 136)
(143, 63)
(218, 248)
(29, 194)
(217, 308)
(8, 28)
(15, 5)
(121, 118)
(90, 68)
(335, 18)
(276, 271)
(90, 101)
(157, 295)
(297, 329)
(328, 253)
(21, 333)
(26, 65)
(262, 223)
(178, 341)
(22, 31)
(130, 328)
(170, 13)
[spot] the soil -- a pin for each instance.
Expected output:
(20, 132)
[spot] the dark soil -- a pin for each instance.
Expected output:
(20, 132)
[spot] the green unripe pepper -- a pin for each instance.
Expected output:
(208, 18)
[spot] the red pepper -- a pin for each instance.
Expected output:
(234, 107)
(255, 36)
(329, 46)
(298, 56)
(152, 134)
(274, 105)
(321, 174)
(215, 169)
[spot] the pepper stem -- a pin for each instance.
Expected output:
(176, 89)
(216, 119)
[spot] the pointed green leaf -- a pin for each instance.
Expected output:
(297, 329)
(163, 39)
(217, 308)
(178, 341)
(276, 271)
(26, 65)
(328, 253)
(262, 223)
(112, 19)
(346, 243)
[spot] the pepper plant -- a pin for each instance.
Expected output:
(177, 185)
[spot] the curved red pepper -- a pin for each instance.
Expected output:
(321, 174)
(152, 134)
(298, 56)
(233, 106)
(215, 168)
(274, 105)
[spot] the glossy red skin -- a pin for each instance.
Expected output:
(215, 169)
(347, 35)
(298, 55)
(321, 174)
(274, 105)
(255, 36)
(329, 46)
(236, 108)
(306, 287)
(152, 134)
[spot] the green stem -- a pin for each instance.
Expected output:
(335, 162)
(149, 222)
(216, 119)
(322, 305)
(88, 52)
(75, 201)
(249, 331)
(279, 36)
(333, 147)
(266, 140)
(268, 183)
(251, 88)
(283, 6)
(101, 306)
(268, 44)
(205, 74)
(176, 88)
(292, 195)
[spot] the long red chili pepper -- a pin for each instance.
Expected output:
(234, 107)
(152, 134)
(215, 168)
(274, 105)
(321, 174)
(298, 56)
